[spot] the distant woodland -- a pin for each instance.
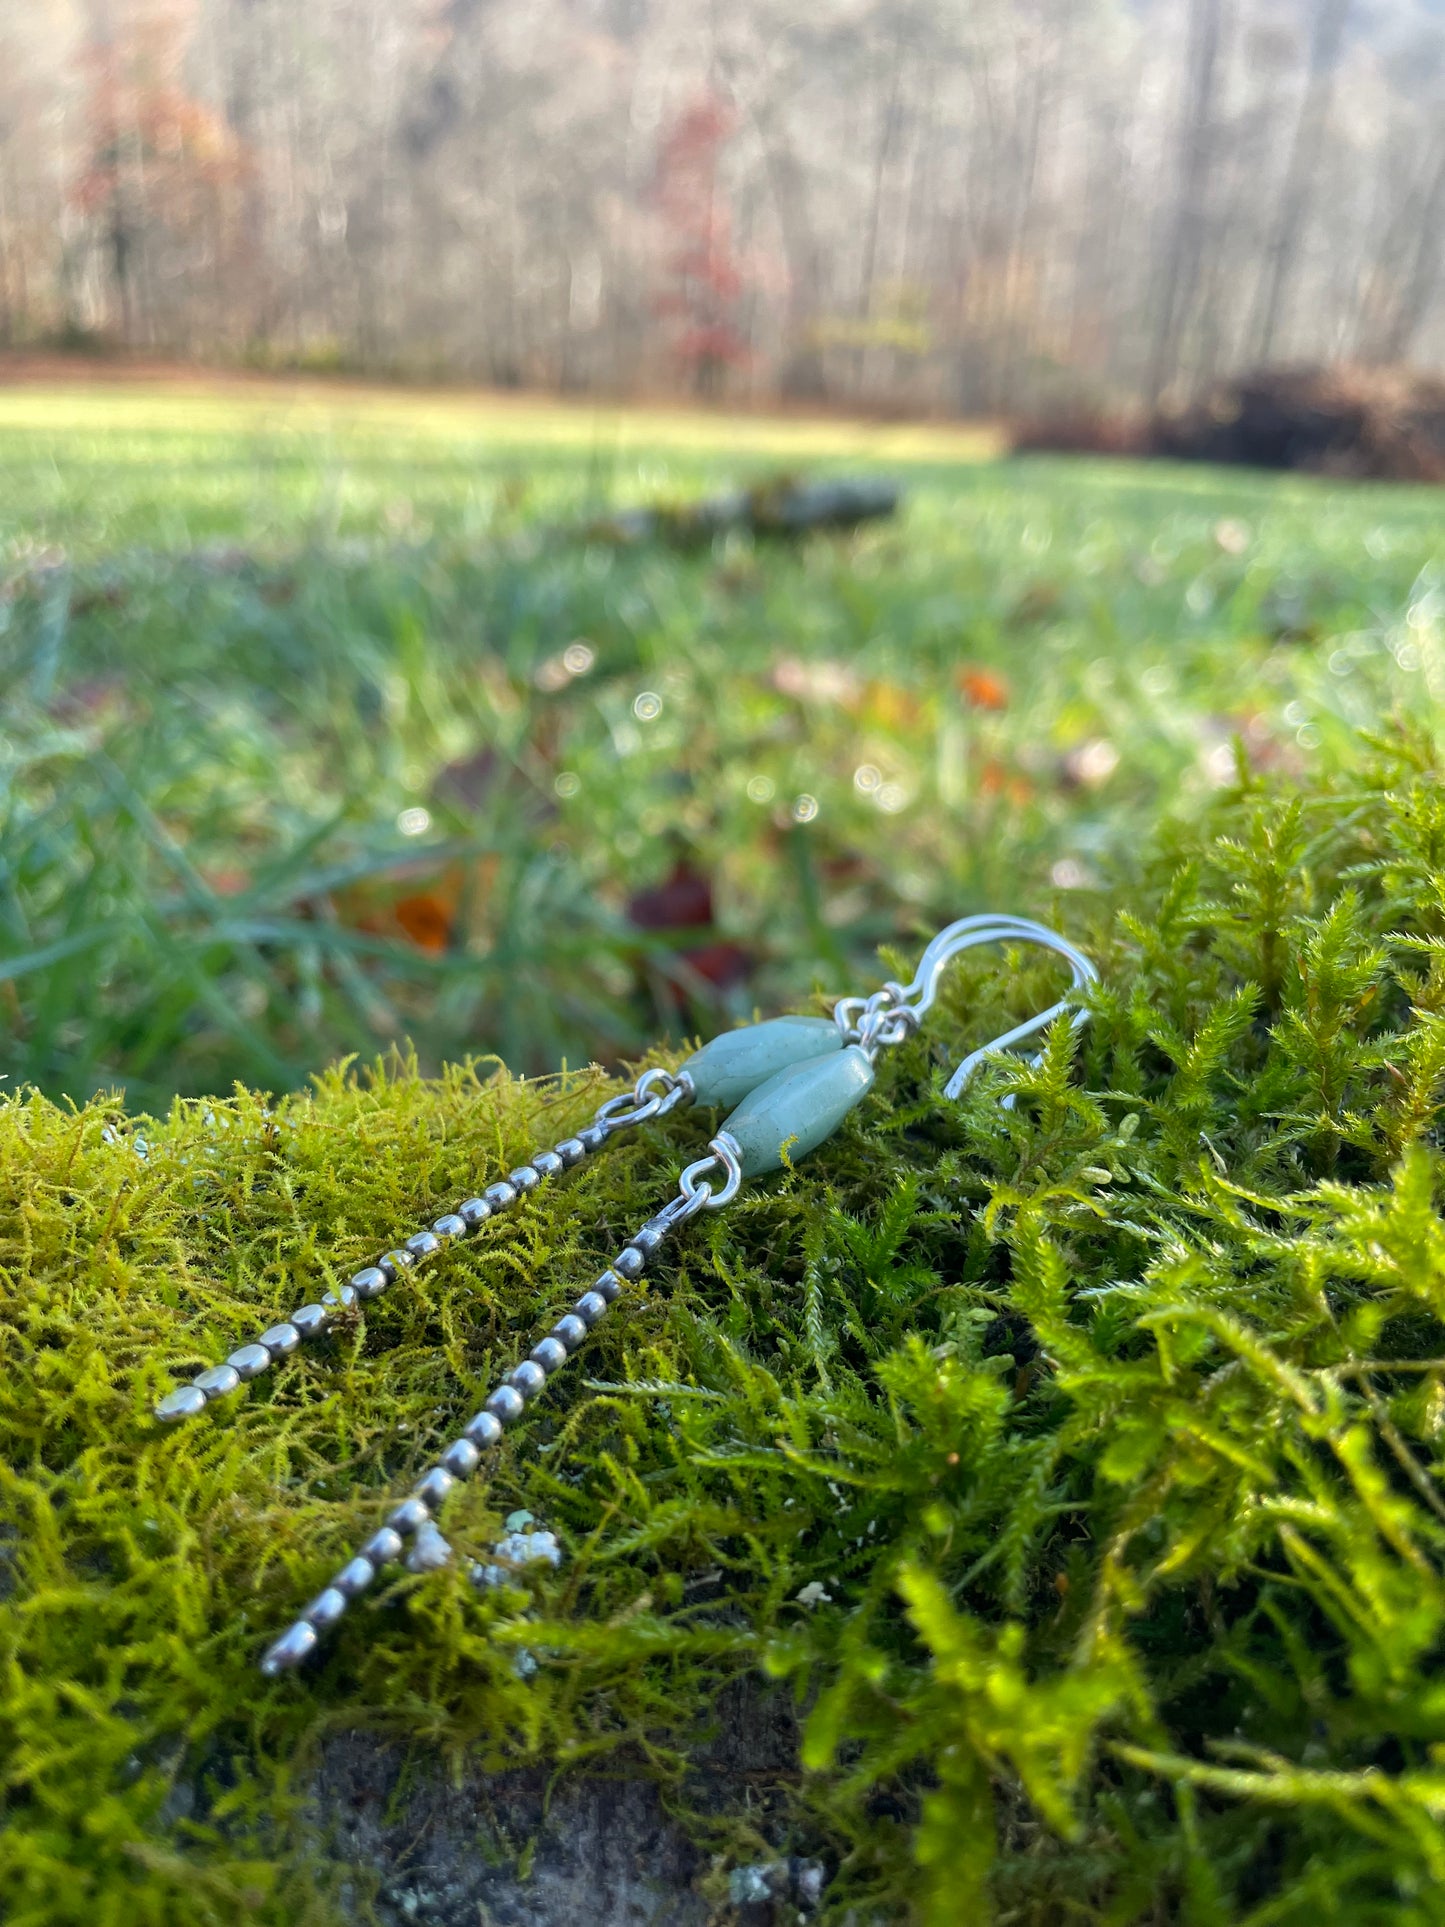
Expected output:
(951, 205)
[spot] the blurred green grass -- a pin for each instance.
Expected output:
(293, 762)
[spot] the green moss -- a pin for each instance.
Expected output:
(1112, 1427)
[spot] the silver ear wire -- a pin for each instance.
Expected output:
(965, 935)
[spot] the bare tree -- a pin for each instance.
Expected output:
(1300, 174)
(1183, 247)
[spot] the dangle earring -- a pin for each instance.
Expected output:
(789, 1084)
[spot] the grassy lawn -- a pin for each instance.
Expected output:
(323, 727)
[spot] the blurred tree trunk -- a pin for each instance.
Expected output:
(244, 78)
(889, 119)
(10, 308)
(1301, 175)
(1184, 244)
(801, 375)
(1416, 263)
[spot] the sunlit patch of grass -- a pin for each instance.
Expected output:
(100, 465)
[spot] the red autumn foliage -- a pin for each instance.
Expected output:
(704, 279)
(683, 902)
(160, 171)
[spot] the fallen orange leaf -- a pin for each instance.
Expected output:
(427, 920)
(983, 688)
(997, 779)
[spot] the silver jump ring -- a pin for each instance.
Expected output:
(843, 1012)
(672, 1086)
(654, 1094)
(613, 1116)
(726, 1156)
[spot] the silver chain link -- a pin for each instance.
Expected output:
(878, 1022)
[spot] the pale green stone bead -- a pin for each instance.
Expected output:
(724, 1071)
(798, 1108)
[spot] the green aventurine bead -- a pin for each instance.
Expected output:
(724, 1071)
(798, 1108)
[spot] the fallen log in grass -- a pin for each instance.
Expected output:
(784, 507)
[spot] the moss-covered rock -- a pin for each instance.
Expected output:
(1076, 1471)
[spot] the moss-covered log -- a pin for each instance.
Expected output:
(785, 506)
(1034, 1510)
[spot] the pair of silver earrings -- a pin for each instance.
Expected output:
(788, 1084)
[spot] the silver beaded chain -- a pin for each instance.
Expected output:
(654, 1094)
(413, 1522)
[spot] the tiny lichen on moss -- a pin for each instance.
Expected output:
(1077, 1464)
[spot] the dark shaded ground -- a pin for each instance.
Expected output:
(1370, 424)
(527, 1850)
